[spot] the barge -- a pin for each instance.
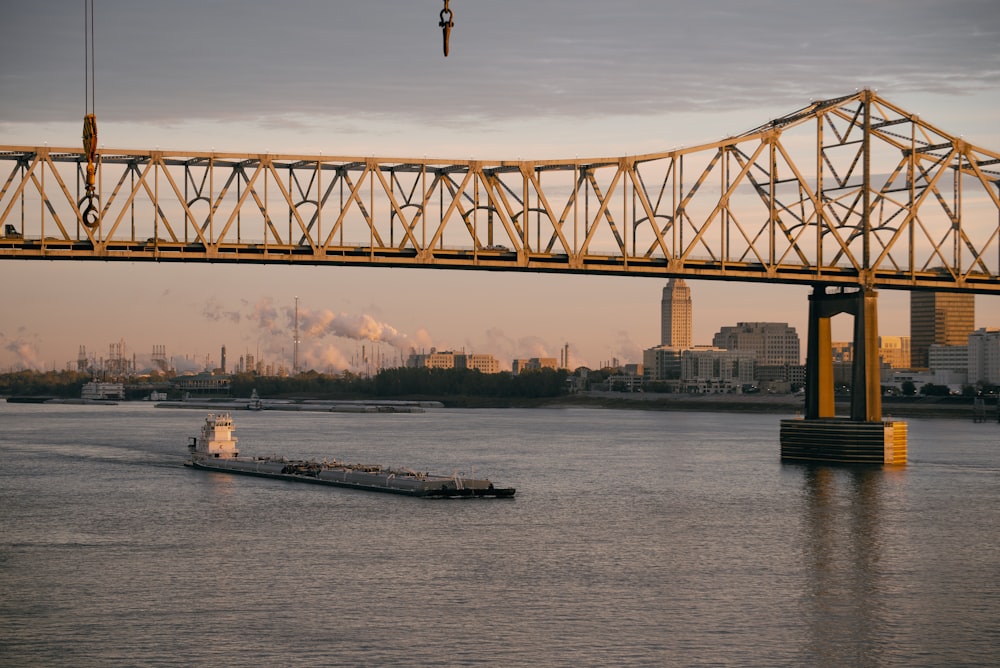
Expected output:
(215, 450)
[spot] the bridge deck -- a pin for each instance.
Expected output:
(852, 191)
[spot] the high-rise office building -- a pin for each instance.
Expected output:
(942, 318)
(773, 343)
(675, 314)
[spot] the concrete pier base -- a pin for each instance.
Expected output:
(843, 441)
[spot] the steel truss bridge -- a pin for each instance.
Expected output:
(852, 191)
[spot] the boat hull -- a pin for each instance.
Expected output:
(427, 487)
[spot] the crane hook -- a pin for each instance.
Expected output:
(446, 23)
(90, 214)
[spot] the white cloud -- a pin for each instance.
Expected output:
(22, 348)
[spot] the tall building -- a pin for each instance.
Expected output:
(984, 356)
(942, 318)
(675, 314)
(774, 343)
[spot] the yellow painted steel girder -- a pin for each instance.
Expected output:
(850, 191)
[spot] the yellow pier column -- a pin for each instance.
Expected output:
(866, 393)
(863, 438)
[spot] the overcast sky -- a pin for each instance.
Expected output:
(544, 79)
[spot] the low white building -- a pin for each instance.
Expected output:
(447, 359)
(627, 379)
(950, 359)
(951, 379)
(96, 391)
(534, 364)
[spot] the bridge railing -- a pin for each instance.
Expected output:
(846, 191)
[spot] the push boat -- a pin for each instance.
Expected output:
(215, 450)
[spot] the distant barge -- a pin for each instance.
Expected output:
(215, 450)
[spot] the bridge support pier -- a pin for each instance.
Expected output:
(864, 437)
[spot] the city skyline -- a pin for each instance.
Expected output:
(372, 81)
(377, 345)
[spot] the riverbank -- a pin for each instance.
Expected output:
(960, 408)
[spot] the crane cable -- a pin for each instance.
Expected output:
(446, 23)
(91, 214)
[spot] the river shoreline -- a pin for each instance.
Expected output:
(959, 408)
(780, 404)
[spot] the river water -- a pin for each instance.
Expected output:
(636, 539)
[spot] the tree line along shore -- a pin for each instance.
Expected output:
(466, 388)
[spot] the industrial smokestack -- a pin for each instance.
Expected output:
(295, 340)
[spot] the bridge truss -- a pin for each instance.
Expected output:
(849, 191)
